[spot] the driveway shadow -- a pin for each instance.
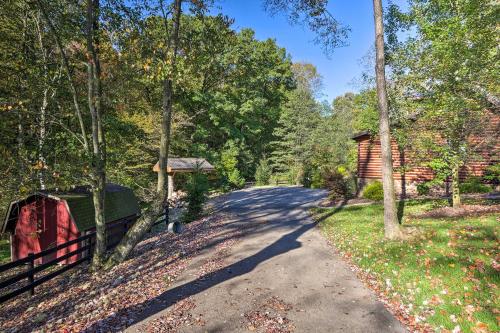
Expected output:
(293, 216)
(142, 311)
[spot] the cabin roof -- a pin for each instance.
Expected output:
(120, 202)
(185, 164)
(359, 135)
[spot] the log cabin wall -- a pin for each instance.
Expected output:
(486, 147)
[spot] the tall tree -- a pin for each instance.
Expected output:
(300, 115)
(94, 96)
(450, 63)
(331, 34)
(392, 229)
(135, 234)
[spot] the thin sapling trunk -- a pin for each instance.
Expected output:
(98, 143)
(144, 224)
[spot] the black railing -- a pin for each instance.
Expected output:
(84, 253)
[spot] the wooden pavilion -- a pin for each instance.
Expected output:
(183, 165)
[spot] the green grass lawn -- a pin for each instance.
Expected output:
(446, 277)
(4, 250)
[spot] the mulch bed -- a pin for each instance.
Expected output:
(79, 301)
(463, 211)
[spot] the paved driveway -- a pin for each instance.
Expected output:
(281, 272)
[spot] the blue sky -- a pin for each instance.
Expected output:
(342, 67)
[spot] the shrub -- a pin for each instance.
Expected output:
(235, 179)
(263, 173)
(317, 180)
(492, 174)
(197, 189)
(474, 185)
(423, 188)
(374, 191)
(274, 179)
(295, 175)
(337, 185)
(228, 167)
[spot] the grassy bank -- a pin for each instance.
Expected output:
(4, 250)
(447, 278)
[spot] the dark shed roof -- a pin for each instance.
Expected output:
(120, 202)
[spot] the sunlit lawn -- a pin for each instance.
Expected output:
(446, 277)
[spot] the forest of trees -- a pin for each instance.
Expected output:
(234, 96)
(92, 91)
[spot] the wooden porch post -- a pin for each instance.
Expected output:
(170, 185)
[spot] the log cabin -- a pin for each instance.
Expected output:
(369, 165)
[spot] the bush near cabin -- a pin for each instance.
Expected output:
(374, 191)
(474, 185)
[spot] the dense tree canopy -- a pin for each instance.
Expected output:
(230, 92)
(446, 71)
(237, 101)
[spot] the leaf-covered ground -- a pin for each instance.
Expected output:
(447, 280)
(79, 301)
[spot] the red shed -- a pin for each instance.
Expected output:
(47, 219)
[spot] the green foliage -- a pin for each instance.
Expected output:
(312, 136)
(338, 184)
(374, 191)
(423, 188)
(317, 180)
(263, 172)
(305, 176)
(4, 250)
(299, 117)
(365, 111)
(197, 190)
(229, 87)
(235, 179)
(448, 66)
(474, 185)
(492, 174)
(229, 167)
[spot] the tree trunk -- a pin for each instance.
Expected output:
(20, 156)
(98, 181)
(455, 189)
(69, 75)
(43, 109)
(144, 224)
(41, 140)
(392, 229)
